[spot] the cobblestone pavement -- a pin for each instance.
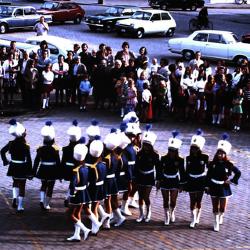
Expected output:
(37, 230)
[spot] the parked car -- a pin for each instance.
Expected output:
(147, 22)
(29, 48)
(13, 17)
(182, 4)
(62, 11)
(57, 45)
(106, 21)
(245, 38)
(214, 44)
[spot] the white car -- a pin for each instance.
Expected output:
(57, 45)
(213, 44)
(147, 22)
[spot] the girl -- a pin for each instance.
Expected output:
(237, 109)
(132, 96)
(121, 87)
(46, 165)
(170, 177)
(147, 160)
(146, 102)
(219, 171)
(20, 165)
(196, 164)
(85, 88)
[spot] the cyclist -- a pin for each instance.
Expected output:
(203, 17)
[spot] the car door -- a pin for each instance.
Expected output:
(155, 24)
(30, 17)
(216, 47)
(166, 21)
(17, 19)
(198, 43)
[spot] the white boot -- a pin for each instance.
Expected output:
(119, 216)
(46, 203)
(172, 215)
(20, 204)
(15, 194)
(47, 102)
(214, 119)
(194, 217)
(221, 215)
(133, 203)
(124, 208)
(42, 199)
(104, 216)
(76, 236)
(85, 230)
(216, 222)
(44, 103)
(95, 223)
(167, 217)
(106, 224)
(198, 216)
(141, 216)
(148, 216)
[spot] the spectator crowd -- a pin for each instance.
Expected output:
(124, 82)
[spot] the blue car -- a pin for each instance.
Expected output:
(15, 17)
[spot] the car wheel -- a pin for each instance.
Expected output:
(188, 54)
(78, 20)
(238, 59)
(164, 7)
(139, 33)
(92, 28)
(108, 28)
(193, 7)
(170, 32)
(3, 28)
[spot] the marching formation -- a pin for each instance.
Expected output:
(124, 163)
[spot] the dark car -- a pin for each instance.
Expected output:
(106, 21)
(62, 11)
(182, 4)
(245, 38)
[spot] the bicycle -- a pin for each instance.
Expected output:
(241, 2)
(194, 24)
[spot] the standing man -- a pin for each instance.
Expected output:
(42, 27)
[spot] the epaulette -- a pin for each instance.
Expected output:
(136, 148)
(57, 148)
(76, 169)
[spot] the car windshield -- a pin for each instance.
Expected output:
(114, 11)
(6, 10)
(141, 15)
(49, 6)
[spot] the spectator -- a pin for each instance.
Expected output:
(142, 57)
(43, 47)
(76, 48)
(42, 27)
(86, 57)
(85, 88)
(131, 96)
(125, 54)
(209, 96)
(197, 61)
(154, 66)
(237, 109)
(146, 103)
(246, 102)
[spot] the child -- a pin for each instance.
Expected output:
(146, 102)
(132, 96)
(237, 109)
(154, 66)
(85, 88)
(121, 87)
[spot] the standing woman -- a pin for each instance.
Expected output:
(218, 176)
(20, 165)
(196, 164)
(67, 163)
(46, 165)
(170, 177)
(147, 159)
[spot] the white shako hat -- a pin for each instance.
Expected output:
(48, 131)
(131, 117)
(112, 140)
(16, 128)
(80, 150)
(174, 142)
(224, 145)
(96, 147)
(149, 136)
(123, 139)
(131, 129)
(93, 129)
(74, 131)
(198, 140)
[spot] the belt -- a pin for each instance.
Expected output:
(18, 162)
(197, 175)
(110, 176)
(70, 164)
(122, 173)
(171, 176)
(80, 188)
(99, 183)
(147, 172)
(217, 182)
(48, 163)
(131, 162)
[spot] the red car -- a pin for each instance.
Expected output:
(62, 11)
(246, 38)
